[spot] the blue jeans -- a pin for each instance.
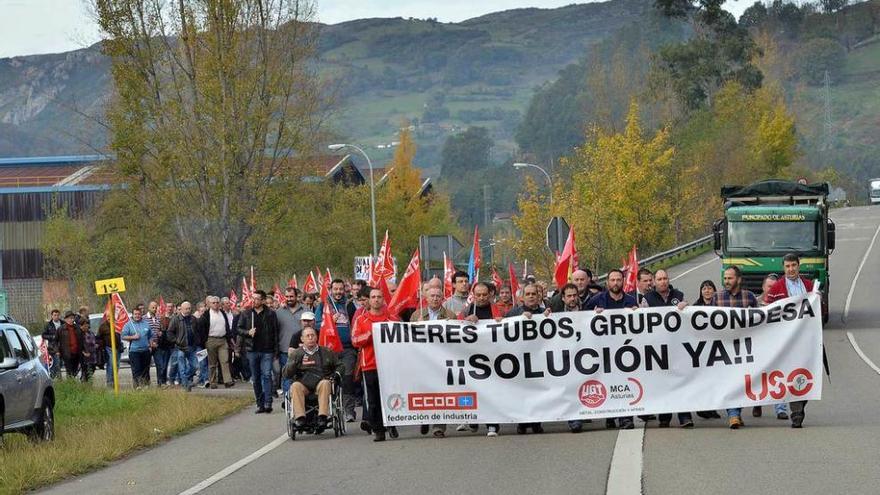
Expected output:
(186, 366)
(260, 364)
(203, 367)
(161, 357)
(285, 382)
(109, 366)
(737, 411)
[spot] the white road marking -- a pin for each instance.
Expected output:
(236, 466)
(855, 346)
(695, 268)
(625, 474)
(852, 288)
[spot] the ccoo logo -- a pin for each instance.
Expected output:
(592, 393)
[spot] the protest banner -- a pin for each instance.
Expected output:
(588, 365)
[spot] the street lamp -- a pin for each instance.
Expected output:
(549, 180)
(337, 147)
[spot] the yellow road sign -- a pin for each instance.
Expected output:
(110, 285)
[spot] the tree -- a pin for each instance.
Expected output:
(211, 102)
(720, 51)
(464, 152)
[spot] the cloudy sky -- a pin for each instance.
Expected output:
(50, 26)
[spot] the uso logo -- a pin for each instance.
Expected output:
(777, 384)
(592, 393)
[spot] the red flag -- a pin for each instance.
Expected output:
(233, 298)
(310, 287)
(292, 282)
(407, 294)
(496, 279)
(478, 258)
(386, 292)
(384, 264)
(161, 310)
(448, 272)
(566, 261)
(325, 290)
(328, 336)
(514, 284)
(253, 281)
(120, 313)
(279, 296)
(632, 274)
(320, 278)
(247, 299)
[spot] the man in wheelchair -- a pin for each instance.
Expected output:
(311, 369)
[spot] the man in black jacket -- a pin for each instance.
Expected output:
(258, 328)
(183, 333)
(665, 294)
(531, 305)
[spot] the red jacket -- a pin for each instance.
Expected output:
(362, 336)
(780, 291)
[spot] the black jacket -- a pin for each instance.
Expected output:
(655, 299)
(267, 335)
(176, 332)
(205, 326)
(519, 310)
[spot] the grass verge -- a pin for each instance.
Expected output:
(94, 428)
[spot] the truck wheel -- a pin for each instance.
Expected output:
(44, 429)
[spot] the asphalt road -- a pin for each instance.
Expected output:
(836, 452)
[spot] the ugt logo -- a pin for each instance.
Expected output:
(592, 393)
(798, 383)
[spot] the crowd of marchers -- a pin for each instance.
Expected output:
(273, 343)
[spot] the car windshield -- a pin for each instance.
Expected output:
(773, 236)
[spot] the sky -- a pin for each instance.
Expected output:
(50, 26)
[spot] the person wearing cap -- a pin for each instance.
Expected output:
(70, 343)
(289, 330)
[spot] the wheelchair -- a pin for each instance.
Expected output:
(335, 418)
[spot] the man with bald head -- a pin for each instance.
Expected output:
(664, 294)
(182, 332)
(582, 280)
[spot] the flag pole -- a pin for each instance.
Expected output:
(112, 317)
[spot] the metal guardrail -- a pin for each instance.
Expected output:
(671, 253)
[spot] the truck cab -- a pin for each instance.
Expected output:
(765, 220)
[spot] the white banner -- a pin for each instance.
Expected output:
(587, 365)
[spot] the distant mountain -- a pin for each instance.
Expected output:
(439, 76)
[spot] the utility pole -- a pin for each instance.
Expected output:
(828, 124)
(486, 218)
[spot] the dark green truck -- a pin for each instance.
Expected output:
(765, 220)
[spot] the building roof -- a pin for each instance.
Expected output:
(48, 170)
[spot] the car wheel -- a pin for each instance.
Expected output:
(44, 429)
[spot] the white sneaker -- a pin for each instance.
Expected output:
(492, 432)
(462, 427)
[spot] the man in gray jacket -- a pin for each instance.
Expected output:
(289, 329)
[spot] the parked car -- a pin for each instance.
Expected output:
(27, 395)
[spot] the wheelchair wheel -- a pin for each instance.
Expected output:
(336, 426)
(288, 416)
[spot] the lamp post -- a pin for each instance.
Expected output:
(520, 165)
(336, 147)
